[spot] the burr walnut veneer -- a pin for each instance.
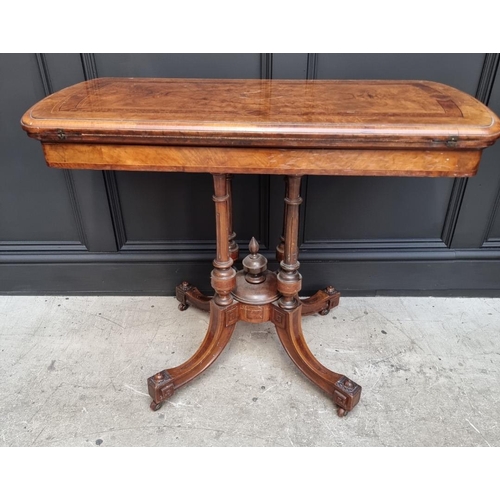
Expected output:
(291, 128)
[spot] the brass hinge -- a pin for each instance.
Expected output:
(450, 143)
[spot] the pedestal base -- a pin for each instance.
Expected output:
(256, 295)
(344, 392)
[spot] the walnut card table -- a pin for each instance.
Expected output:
(278, 127)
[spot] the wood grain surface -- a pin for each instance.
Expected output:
(433, 163)
(266, 113)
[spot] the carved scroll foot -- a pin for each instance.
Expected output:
(189, 295)
(344, 392)
(222, 322)
(321, 302)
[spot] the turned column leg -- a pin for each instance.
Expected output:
(323, 300)
(189, 295)
(280, 249)
(234, 250)
(223, 275)
(289, 279)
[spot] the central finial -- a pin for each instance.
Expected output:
(254, 248)
(254, 264)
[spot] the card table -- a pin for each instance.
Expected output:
(290, 128)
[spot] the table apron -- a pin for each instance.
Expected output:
(216, 160)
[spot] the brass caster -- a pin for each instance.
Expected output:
(182, 307)
(324, 312)
(341, 412)
(155, 406)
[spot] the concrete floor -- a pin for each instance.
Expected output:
(73, 372)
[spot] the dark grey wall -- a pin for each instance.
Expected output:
(128, 232)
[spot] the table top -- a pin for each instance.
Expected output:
(270, 113)
(292, 127)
